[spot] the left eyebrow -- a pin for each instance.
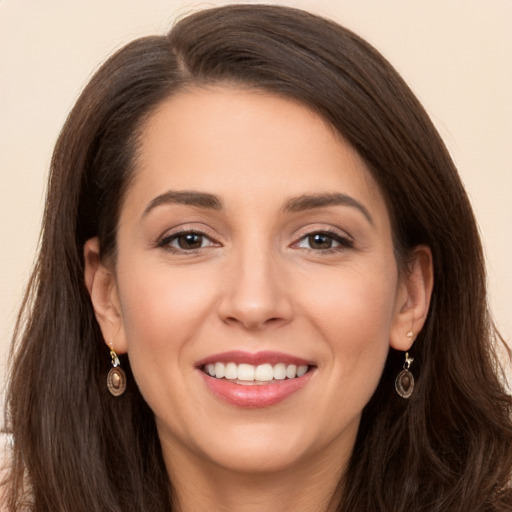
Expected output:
(314, 201)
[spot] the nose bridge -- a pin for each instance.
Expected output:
(254, 293)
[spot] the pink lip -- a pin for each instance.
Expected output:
(241, 357)
(260, 395)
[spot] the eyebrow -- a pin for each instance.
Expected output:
(187, 197)
(313, 201)
(297, 204)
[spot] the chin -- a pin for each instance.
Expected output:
(258, 458)
(275, 447)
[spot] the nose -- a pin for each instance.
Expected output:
(255, 292)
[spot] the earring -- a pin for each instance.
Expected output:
(116, 378)
(404, 383)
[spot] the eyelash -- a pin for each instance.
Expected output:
(330, 236)
(343, 241)
(166, 241)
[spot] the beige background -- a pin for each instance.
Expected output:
(455, 54)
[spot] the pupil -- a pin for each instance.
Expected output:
(320, 241)
(190, 241)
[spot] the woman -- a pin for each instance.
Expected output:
(260, 287)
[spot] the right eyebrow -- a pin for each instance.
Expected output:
(187, 197)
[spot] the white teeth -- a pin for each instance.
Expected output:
(219, 370)
(280, 371)
(231, 371)
(245, 372)
(249, 373)
(301, 370)
(264, 372)
(291, 371)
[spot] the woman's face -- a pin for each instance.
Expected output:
(253, 244)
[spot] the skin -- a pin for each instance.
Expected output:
(257, 281)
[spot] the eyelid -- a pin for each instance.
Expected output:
(165, 240)
(345, 240)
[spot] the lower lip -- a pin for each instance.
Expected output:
(255, 395)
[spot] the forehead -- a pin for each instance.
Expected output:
(237, 142)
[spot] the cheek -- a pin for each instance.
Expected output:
(353, 306)
(157, 302)
(354, 313)
(163, 309)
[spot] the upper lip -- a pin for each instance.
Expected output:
(253, 358)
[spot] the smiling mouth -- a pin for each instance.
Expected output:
(248, 374)
(255, 380)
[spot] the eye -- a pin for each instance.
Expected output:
(323, 241)
(186, 241)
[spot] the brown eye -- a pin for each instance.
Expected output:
(190, 241)
(324, 241)
(320, 241)
(186, 241)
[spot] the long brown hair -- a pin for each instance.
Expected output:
(448, 448)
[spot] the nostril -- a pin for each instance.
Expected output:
(254, 302)
(255, 323)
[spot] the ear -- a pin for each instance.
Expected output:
(413, 299)
(100, 281)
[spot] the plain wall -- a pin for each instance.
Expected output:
(455, 54)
